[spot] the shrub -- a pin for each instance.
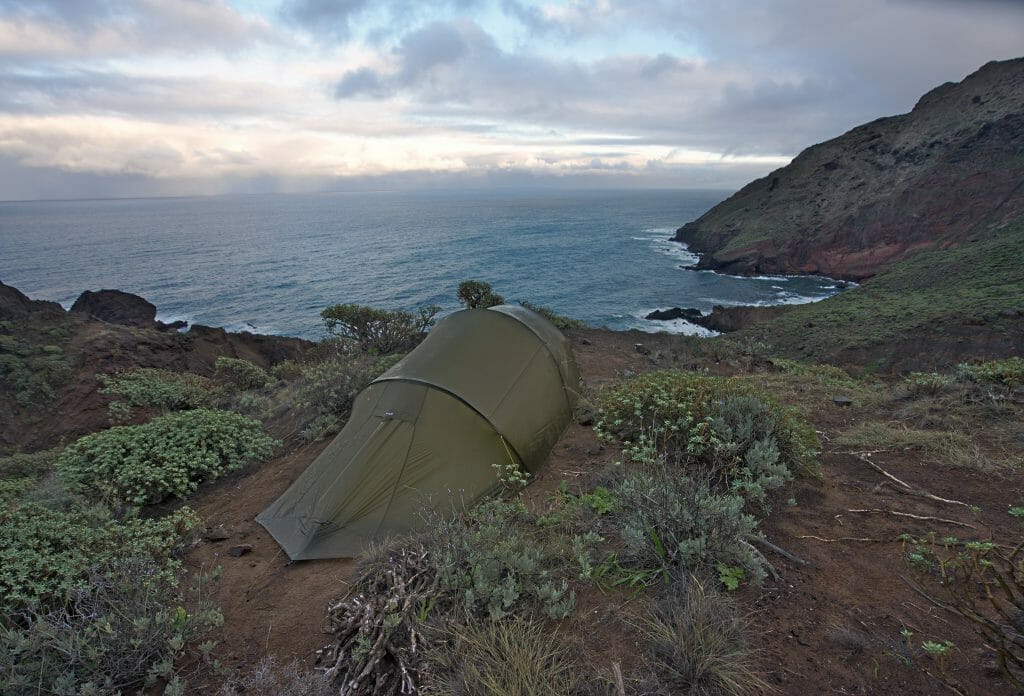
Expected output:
(496, 559)
(476, 294)
(560, 321)
(240, 374)
(286, 370)
(927, 383)
(671, 522)
(47, 555)
(150, 387)
(712, 421)
(32, 374)
(31, 465)
(330, 386)
(983, 582)
(170, 455)
(380, 330)
(514, 657)
(697, 643)
(121, 629)
(1008, 373)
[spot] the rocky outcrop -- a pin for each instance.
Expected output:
(938, 176)
(118, 307)
(259, 349)
(16, 305)
(728, 319)
(691, 315)
(720, 319)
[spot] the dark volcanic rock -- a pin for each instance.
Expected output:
(14, 305)
(117, 307)
(727, 319)
(691, 315)
(850, 207)
(261, 349)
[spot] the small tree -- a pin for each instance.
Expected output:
(382, 330)
(478, 294)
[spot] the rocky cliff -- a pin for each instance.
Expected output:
(944, 174)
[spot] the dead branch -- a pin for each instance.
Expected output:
(897, 513)
(376, 633)
(833, 541)
(767, 563)
(782, 552)
(904, 486)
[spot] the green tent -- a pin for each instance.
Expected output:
(487, 386)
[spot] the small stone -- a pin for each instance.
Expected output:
(842, 401)
(642, 349)
(218, 533)
(584, 342)
(240, 550)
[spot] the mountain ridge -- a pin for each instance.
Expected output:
(950, 169)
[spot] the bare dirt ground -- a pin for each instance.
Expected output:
(830, 626)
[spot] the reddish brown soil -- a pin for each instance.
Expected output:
(831, 626)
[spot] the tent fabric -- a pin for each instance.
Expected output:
(485, 387)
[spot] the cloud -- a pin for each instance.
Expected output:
(313, 90)
(96, 28)
(332, 18)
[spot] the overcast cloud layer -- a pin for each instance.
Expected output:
(151, 97)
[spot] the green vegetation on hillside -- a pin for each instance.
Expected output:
(923, 305)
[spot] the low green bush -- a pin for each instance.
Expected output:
(31, 373)
(286, 370)
(476, 294)
(34, 464)
(712, 421)
(676, 523)
(239, 374)
(1008, 373)
(150, 387)
(168, 456)
(380, 330)
(20, 474)
(47, 555)
(121, 630)
(497, 559)
(330, 386)
(927, 383)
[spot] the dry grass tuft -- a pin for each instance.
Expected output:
(697, 644)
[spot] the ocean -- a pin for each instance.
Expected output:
(271, 263)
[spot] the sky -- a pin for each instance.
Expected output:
(112, 98)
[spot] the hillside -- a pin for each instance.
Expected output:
(943, 175)
(926, 209)
(827, 601)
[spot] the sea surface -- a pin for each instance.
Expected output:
(270, 263)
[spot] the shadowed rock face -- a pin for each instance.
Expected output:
(16, 305)
(940, 175)
(116, 307)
